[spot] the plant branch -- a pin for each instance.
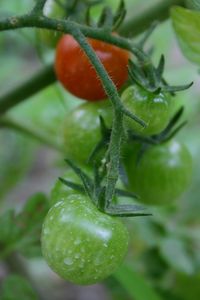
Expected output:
(133, 26)
(12, 124)
(69, 27)
(138, 23)
(117, 128)
(29, 87)
(114, 155)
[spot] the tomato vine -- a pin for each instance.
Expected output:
(142, 72)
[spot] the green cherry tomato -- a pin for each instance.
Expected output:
(81, 129)
(152, 108)
(52, 10)
(162, 174)
(80, 243)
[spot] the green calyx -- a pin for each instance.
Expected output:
(95, 189)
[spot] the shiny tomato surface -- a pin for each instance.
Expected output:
(79, 77)
(80, 243)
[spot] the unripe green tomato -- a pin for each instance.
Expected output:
(80, 243)
(162, 174)
(153, 109)
(81, 129)
(52, 10)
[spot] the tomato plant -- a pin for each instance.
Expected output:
(76, 74)
(153, 108)
(81, 129)
(83, 240)
(80, 243)
(162, 173)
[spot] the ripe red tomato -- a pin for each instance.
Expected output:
(76, 73)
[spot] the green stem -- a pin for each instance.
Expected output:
(117, 128)
(79, 32)
(29, 87)
(140, 22)
(38, 8)
(107, 83)
(135, 25)
(114, 155)
(70, 27)
(8, 123)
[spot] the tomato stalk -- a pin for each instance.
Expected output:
(114, 155)
(117, 129)
(34, 84)
(35, 18)
(12, 124)
(142, 21)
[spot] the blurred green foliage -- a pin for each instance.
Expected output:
(16, 287)
(164, 249)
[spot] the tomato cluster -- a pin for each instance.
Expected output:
(81, 243)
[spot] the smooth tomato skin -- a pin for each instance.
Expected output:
(78, 76)
(80, 243)
(81, 129)
(151, 108)
(162, 175)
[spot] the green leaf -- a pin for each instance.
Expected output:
(8, 231)
(22, 232)
(136, 286)
(30, 221)
(176, 254)
(186, 24)
(16, 287)
(14, 161)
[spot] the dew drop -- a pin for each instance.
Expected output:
(58, 203)
(77, 242)
(68, 261)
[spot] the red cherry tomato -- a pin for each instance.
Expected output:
(78, 76)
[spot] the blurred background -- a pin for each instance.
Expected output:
(164, 254)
